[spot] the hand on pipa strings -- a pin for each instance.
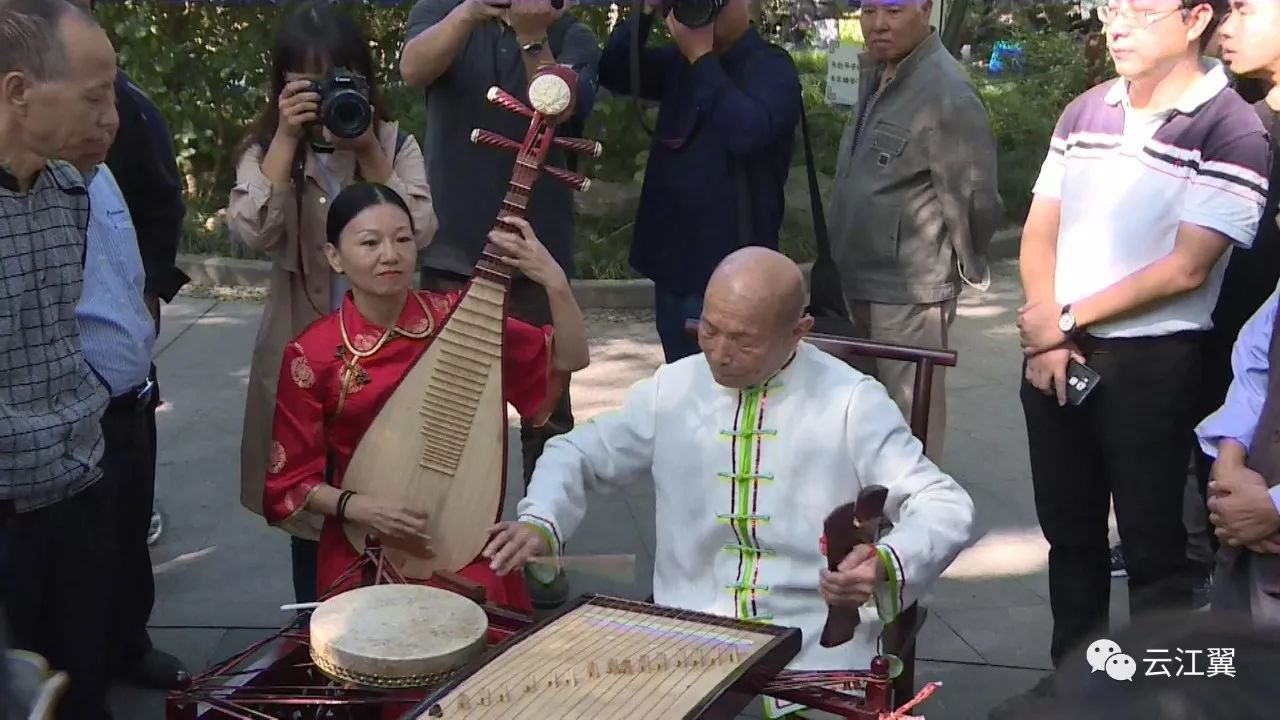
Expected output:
(399, 527)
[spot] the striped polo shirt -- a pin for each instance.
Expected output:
(1127, 179)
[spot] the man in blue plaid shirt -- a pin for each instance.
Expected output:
(57, 70)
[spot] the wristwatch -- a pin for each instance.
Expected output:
(535, 47)
(1067, 321)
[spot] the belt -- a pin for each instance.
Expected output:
(134, 400)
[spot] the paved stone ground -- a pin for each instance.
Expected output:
(221, 573)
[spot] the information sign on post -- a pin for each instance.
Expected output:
(842, 75)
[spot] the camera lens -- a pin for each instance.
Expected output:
(347, 114)
(695, 13)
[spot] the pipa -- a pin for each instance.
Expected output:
(439, 443)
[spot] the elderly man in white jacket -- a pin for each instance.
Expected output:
(750, 446)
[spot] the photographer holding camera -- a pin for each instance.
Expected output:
(324, 128)
(721, 149)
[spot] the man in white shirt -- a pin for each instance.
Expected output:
(750, 445)
(1148, 182)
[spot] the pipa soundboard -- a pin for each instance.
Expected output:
(605, 658)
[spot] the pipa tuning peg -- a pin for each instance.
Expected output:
(507, 101)
(489, 138)
(573, 180)
(582, 146)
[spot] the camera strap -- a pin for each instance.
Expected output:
(820, 237)
(639, 17)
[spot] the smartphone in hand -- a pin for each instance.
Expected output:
(1081, 380)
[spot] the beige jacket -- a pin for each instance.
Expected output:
(265, 217)
(915, 201)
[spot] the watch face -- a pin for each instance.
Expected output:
(1066, 322)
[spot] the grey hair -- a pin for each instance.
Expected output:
(30, 40)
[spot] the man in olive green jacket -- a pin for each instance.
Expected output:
(914, 203)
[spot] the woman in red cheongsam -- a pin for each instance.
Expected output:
(340, 371)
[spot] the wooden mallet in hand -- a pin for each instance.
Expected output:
(850, 525)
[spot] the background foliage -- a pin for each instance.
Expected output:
(206, 64)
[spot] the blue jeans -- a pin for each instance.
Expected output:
(671, 311)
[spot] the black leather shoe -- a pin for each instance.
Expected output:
(156, 670)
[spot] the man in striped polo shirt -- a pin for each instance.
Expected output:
(1149, 181)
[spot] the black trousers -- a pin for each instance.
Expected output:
(1129, 441)
(304, 554)
(527, 302)
(55, 578)
(128, 428)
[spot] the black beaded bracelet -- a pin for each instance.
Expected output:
(342, 504)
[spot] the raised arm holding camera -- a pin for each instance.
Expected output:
(721, 150)
(323, 129)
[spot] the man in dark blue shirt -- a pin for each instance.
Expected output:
(720, 154)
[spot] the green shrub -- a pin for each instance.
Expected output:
(1025, 106)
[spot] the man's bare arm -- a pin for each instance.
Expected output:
(1038, 256)
(530, 20)
(535, 61)
(1195, 251)
(429, 54)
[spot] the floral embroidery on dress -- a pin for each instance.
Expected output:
(441, 302)
(364, 342)
(278, 458)
(358, 379)
(419, 326)
(303, 376)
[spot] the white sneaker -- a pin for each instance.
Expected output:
(157, 527)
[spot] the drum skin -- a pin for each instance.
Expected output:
(396, 636)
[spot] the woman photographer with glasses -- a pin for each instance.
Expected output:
(324, 128)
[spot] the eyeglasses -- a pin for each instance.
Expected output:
(1141, 19)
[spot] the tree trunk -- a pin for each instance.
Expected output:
(953, 24)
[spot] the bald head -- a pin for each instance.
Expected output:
(765, 280)
(752, 316)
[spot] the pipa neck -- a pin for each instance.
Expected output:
(515, 203)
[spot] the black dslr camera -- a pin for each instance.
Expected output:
(694, 13)
(344, 103)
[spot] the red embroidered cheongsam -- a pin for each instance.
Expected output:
(335, 378)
